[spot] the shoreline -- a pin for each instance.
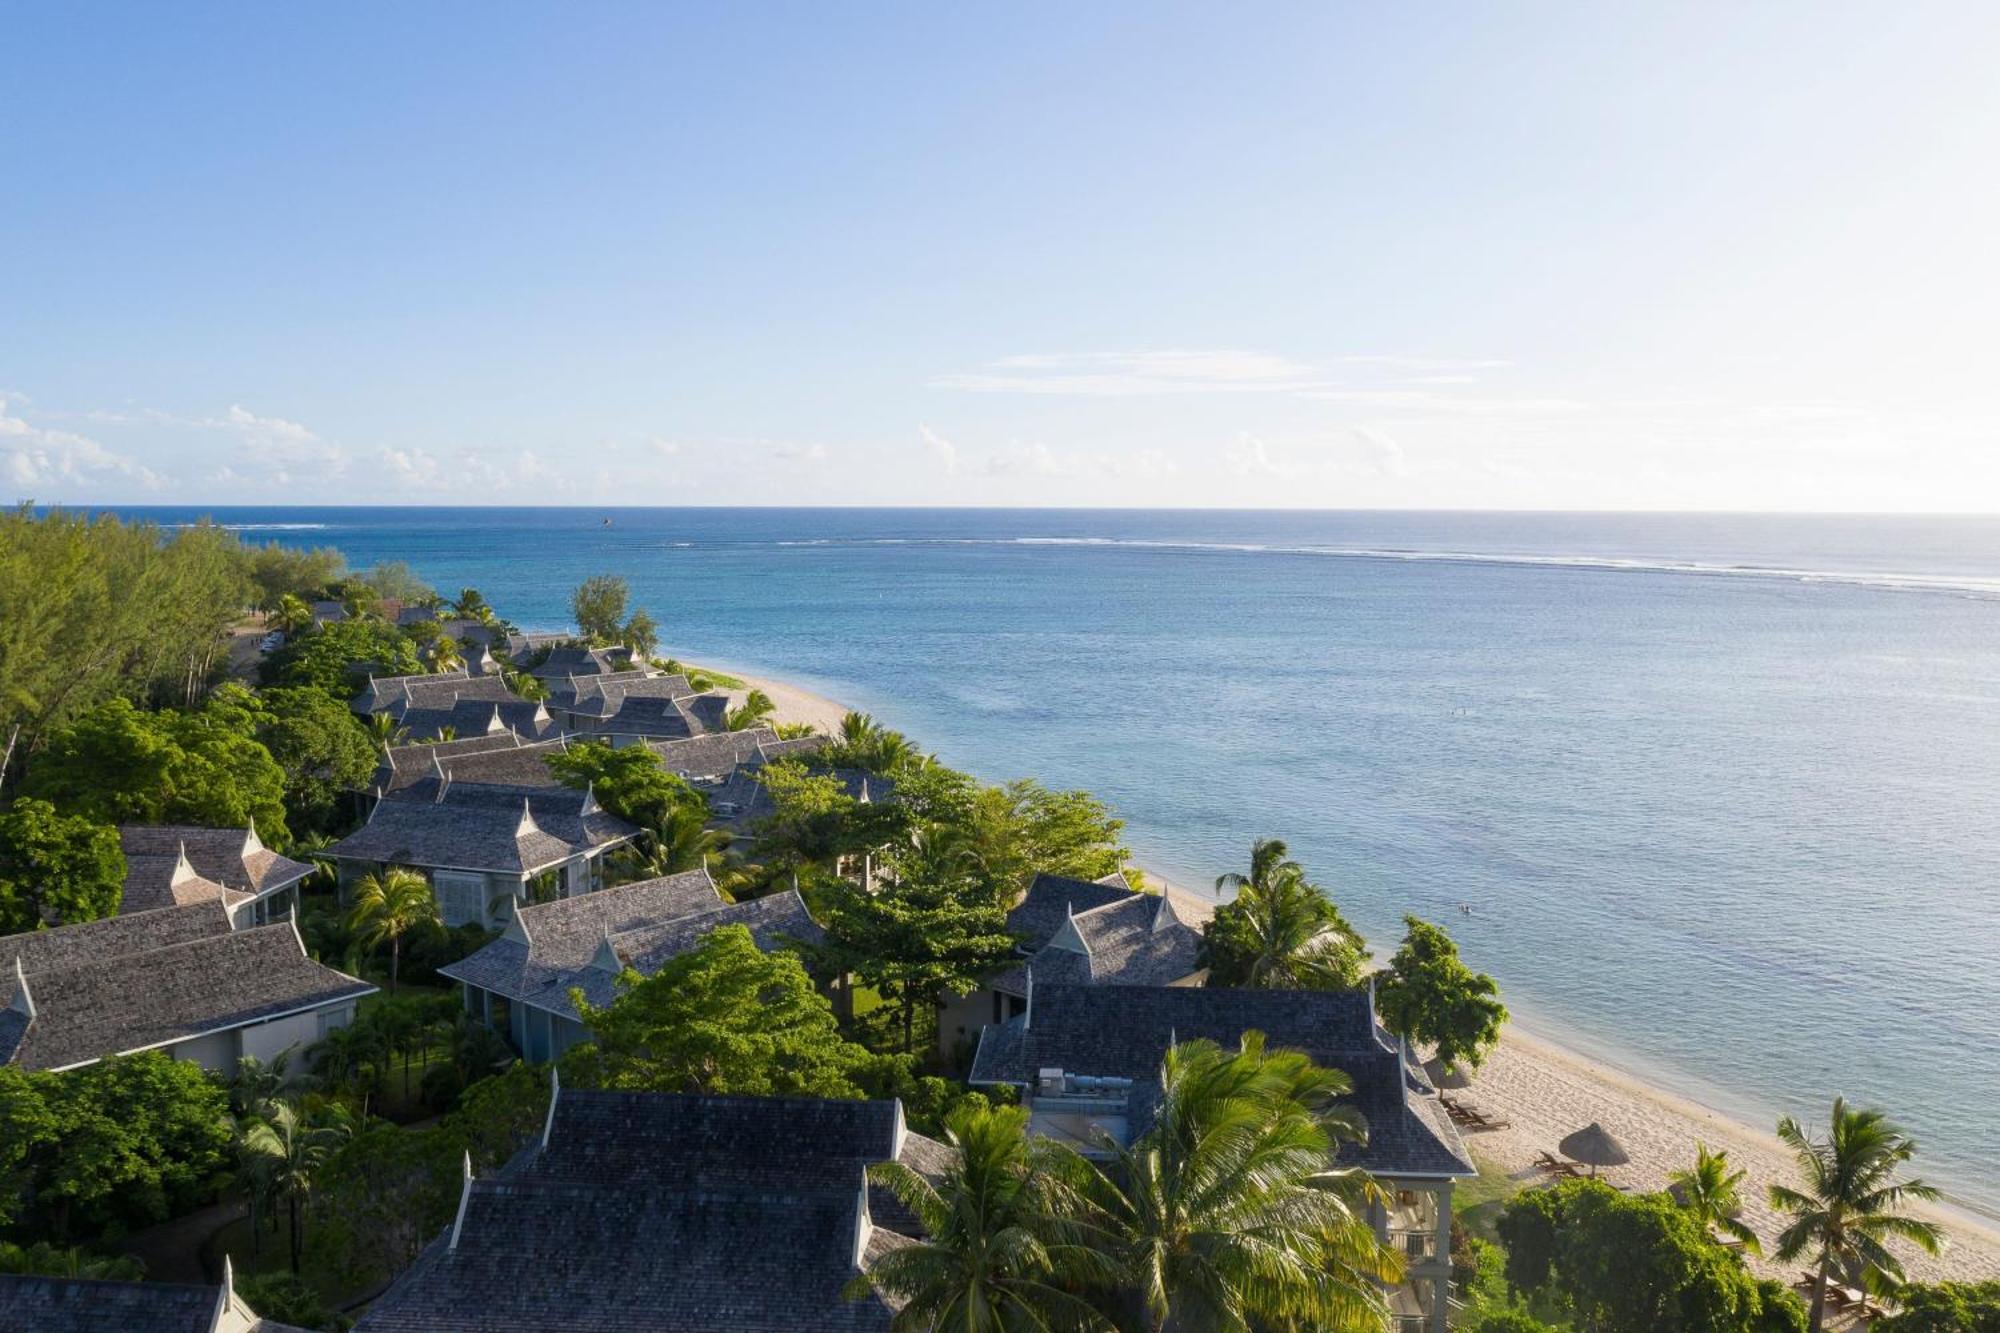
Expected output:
(1545, 1087)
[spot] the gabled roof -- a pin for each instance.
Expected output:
(522, 764)
(403, 764)
(741, 800)
(472, 717)
(1123, 1032)
(479, 826)
(81, 1305)
(384, 692)
(550, 948)
(1051, 898)
(600, 696)
(441, 692)
(133, 983)
(711, 757)
(1137, 940)
(643, 1211)
(168, 865)
(567, 660)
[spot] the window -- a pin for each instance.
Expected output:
(461, 896)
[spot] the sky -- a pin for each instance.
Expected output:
(1525, 256)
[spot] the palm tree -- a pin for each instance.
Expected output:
(445, 654)
(1004, 1248)
(682, 841)
(1230, 1213)
(1268, 864)
(1852, 1200)
(471, 605)
(389, 906)
(1283, 935)
(446, 733)
(866, 743)
(755, 708)
(289, 1148)
(291, 616)
(1710, 1190)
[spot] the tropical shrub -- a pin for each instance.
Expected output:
(56, 869)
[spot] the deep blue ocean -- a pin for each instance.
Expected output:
(1723, 793)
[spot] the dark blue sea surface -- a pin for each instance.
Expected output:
(1721, 793)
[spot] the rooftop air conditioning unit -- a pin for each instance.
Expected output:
(1049, 1082)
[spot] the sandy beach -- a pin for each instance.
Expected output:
(1545, 1090)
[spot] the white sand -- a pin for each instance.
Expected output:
(794, 704)
(1546, 1090)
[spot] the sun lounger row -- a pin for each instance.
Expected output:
(1840, 1296)
(1467, 1116)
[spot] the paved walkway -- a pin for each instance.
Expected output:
(171, 1251)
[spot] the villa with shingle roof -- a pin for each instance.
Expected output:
(91, 1305)
(526, 718)
(573, 659)
(1091, 932)
(185, 980)
(401, 765)
(630, 706)
(486, 847)
(520, 984)
(1087, 1061)
(171, 865)
(652, 1212)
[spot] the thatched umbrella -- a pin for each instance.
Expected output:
(1446, 1077)
(1594, 1147)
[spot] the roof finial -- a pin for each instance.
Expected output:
(590, 806)
(183, 868)
(23, 1002)
(555, 1095)
(527, 824)
(464, 1197)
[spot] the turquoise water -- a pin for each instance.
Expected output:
(1721, 793)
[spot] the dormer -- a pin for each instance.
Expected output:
(1068, 935)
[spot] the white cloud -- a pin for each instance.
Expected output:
(800, 453)
(410, 467)
(1124, 374)
(32, 455)
(1040, 460)
(664, 447)
(945, 450)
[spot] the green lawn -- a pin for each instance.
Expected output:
(1477, 1202)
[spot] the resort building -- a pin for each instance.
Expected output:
(480, 717)
(630, 707)
(568, 658)
(172, 865)
(707, 761)
(402, 765)
(88, 1305)
(1087, 932)
(486, 847)
(440, 692)
(520, 984)
(652, 1212)
(1087, 1062)
(186, 980)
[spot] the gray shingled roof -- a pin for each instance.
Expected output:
(385, 691)
(600, 696)
(1123, 1032)
(234, 860)
(1051, 898)
(554, 945)
(741, 800)
(480, 826)
(117, 993)
(1138, 940)
(712, 756)
(403, 765)
(570, 661)
(442, 692)
(653, 1212)
(77, 1305)
(473, 717)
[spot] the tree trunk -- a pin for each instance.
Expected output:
(909, 1022)
(1817, 1320)
(256, 1241)
(395, 960)
(8, 757)
(293, 1203)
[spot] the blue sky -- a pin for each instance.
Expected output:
(1520, 256)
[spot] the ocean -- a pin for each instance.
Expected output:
(1715, 798)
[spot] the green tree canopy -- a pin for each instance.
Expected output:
(598, 604)
(204, 766)
(725, 1017)
(56, 869)
(1634, 1264)
(932, 930)
(123, 1143)
(1945, 1307)
(1433, 998)
(629, 781)
(322, 747)
(277, 572)
(338, 657)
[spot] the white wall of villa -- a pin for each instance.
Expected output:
(488, 897)
(218, 1052)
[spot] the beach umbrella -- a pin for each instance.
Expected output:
(1446, 1077)
(1594, 1146)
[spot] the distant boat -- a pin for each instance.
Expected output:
(607, 522)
